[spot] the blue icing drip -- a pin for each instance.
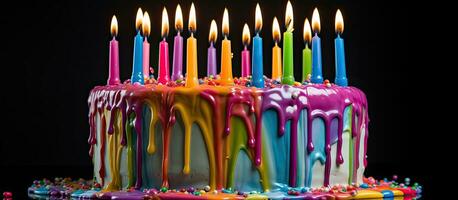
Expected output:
(277, 147)
(151, 170)
(334, 130)
(246, 175)
(318, 138)
(302, 148)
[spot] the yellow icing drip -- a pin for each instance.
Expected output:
(194, 109)
(368, 194)
(153, 106)
(114, 152)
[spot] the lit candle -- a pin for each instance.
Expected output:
(341, 77)
(276, 51)
(163, 76)
(177, 64)
(258, 74)
(137, 69)
(113, 77)
(191, 51)
(146, 27)
(288, 61)
(211, 55)
(307, 53)
(245, 52)
(316, 49)
(226, 54)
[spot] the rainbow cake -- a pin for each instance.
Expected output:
(221, 137)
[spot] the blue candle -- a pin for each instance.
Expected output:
(316, 49)
(137, 69)
(257, 64)
(341, 76)
(258, 76)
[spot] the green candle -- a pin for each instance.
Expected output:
(288, 64)
(306, 63)
(307, 53)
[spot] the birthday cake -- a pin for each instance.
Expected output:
(221, 137)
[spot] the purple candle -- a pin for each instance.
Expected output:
(246, 68)
(211, 57)
(113, 77)
(177, 64)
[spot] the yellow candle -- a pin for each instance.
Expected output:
(191, 51)
(276, 51)
(226, 54)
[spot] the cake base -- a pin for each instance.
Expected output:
(81, 189)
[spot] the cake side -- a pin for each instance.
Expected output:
(211, 135)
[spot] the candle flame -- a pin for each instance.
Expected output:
(258, 19)
(114, 26)
(192, 19)
(165, 23)
(146, 25)
(139, 19)
(225, 23)
(316, 27)
(178, 19)
(339, 22)
(246, 35)
(213, 32)
(289, 20)
(307, 31)
(276, 30)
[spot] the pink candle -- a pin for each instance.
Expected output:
(113, 77)
(146, 26)
(163, 62)
(246, 68)
(163, 76)
(146, 59)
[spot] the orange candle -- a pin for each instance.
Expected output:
(191, 51)
(226, 54)
(276, 51)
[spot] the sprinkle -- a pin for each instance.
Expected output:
(197, 193)
(191, 189)
(164, 189)
(364, 185)
(7, 194)
(395, 177)
(207, 188)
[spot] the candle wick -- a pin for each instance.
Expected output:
(276, 43)
(244, 48)
(178, 32)
(192, 34)
(211, 44)
(306, 44)
(225, 36)
(163, 39)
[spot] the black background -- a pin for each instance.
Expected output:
(53, 54)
